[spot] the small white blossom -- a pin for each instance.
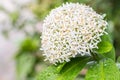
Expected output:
(69, 30)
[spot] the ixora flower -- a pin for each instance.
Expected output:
(70, 30)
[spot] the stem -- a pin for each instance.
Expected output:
(95, 56)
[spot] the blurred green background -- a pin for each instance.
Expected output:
(21, 26)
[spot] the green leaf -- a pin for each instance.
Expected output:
(72, 68)
(48, 74)
(24, 65)
(103, 70)
(104, 47)
(110, 54)
(65, 71)
(30, 45)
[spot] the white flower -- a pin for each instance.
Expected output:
(69, 30)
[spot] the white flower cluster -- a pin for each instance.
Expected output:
(69, 30)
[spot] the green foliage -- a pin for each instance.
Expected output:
(72, 68)
(104, 47)
(48, 74)
(110, 54)
(67, 71)
(25, 64)
(98, 71)
(14, 16)
(27, 59)
(103, 70)
(30, 45)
